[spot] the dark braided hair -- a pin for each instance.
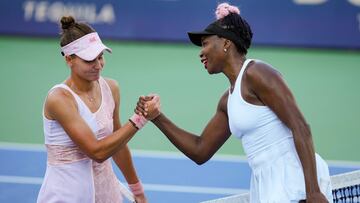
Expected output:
(71, 30)
(238, 25)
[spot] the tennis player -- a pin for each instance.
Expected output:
(259, 109)
(82, 127)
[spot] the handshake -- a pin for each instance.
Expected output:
(148, 106)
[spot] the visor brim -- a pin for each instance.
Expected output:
(195, 37)
(93, 51)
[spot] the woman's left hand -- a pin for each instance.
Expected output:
(140, 198)
(316, 197)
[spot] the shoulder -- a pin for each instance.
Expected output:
(114, 87)
(59, 99)
(59, 94)
(257, 67)
(259, 72)
(113, 84)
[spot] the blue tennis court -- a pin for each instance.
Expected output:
(167, 177)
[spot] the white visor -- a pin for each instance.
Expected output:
(87, 47)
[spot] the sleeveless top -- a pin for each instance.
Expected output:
(71, 176)
(100, 121)
(277, 174)
(257, 126)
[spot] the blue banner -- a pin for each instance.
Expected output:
(310, 23)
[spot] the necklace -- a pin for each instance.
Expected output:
(89, 97)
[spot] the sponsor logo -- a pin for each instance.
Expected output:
(316, 2)
(45, 11)
(92, 39)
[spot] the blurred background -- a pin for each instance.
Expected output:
(314, 43)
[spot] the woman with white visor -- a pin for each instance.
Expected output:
(82, 127)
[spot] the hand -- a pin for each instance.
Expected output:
(140, 108)
(148, 106)
(140, 198)
(316, 197)
(153, 107)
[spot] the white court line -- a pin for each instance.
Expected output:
(147, 187)
(170, 155)
(151, 154)
(22, 147)
(21, 180)
(193, 189)
(135, 152)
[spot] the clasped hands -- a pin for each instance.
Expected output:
(148, 106)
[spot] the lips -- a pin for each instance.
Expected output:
(204, 61)
(93, 74)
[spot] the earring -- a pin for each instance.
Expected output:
(225, 50)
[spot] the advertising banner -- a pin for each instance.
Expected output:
(307, 23)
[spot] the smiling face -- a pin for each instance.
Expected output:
(212, 53)
(87, 70)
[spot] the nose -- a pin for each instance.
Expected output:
(97, 64)
(201, 54)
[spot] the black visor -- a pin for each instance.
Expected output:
(213, 29)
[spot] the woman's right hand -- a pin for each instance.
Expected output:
(148, 106)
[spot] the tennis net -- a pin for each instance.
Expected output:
(345, 189)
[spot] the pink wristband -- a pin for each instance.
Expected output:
(137, 188)
(139, 121)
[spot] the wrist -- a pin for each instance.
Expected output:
(137, 188)
(154, 120)
(138, 121)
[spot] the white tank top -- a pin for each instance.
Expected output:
(257, 126)
(100, 121)
(86, 180)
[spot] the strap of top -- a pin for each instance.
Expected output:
(243, 68)
(62, 85)
(239, 77)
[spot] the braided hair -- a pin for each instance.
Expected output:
(228, 17)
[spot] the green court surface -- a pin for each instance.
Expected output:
(325, 83)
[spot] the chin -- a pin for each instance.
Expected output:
(94, 77)
(211, 72)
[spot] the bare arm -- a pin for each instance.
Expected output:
(61, 106)
(198, 148)
(123, 158)
(268, 85)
